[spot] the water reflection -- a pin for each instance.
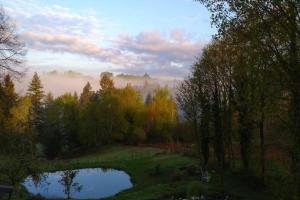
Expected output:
(79, 184)
(67, 180)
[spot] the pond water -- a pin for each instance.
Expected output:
(79, 184)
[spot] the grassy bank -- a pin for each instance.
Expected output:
(152, 170)
(157, 174)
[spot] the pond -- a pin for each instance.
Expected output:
(79, 184)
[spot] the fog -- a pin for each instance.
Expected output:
(59, 83)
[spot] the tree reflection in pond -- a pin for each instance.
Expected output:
(39, 180)
(67, 180)
(90, 183)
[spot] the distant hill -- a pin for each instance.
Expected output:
(54, 72)
(133, 77)
(69, 73)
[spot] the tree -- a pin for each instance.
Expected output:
(8, 96)
(60, 133)
(101, 120)
(133, 110)
(20, 116)
(187, 98)
(75, 95)
(67, 180)
(8, 100)
(148, 99)
(15, 167)
(69, 119)
(86, 95)
(273, 27)
(112, 123)
(100, 117)
(161, 116)
(36, 95)
(208, 74)
(106, 83)
(12, 49)
(51, 138)
(14, 147)
(221, 84)
(109, 74)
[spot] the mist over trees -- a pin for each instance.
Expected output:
(59, 126)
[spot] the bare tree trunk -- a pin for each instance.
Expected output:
(262, 147)
(294, 74)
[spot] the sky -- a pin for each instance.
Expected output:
(158, 37)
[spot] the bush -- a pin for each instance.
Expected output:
(282, 186)
(138, 135)
(195, 188)
(156, 171)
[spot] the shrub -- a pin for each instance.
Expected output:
(195, 188)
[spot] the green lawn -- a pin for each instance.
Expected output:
(142, 164)
(156, 173)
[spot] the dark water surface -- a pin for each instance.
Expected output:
(79, 184)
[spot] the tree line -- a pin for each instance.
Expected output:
(244, 90)
(55, 126)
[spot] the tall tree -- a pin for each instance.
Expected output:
(275, 27)
(11, 48)
(8, 100)
(133, 110)
(148, 99)
(8, 96)
(86, 94)
(188, 99)
(106, 83)
(36, 94)
(161, 114)
(60, 129)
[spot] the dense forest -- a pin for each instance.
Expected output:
(243, 91)
(237, 111)
(57, 126)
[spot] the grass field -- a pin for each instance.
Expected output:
(151, 169)
(157, 174)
